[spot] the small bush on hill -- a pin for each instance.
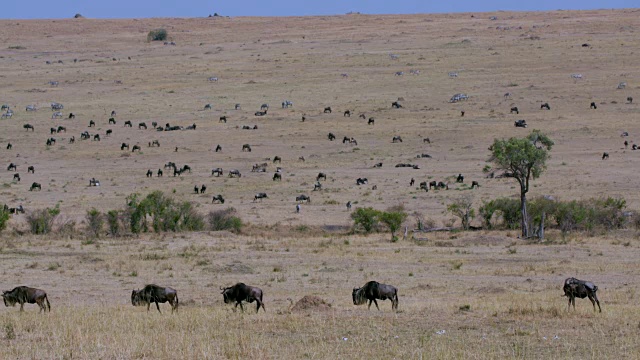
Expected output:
(157, 35)
(41, 221)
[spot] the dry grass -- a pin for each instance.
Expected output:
(494, 295)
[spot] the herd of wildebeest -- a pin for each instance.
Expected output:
(240, 292)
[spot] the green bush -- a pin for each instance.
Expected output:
(95, 222)
(225, 220)
(165, 213)
(366, 218)
(157, 35)
(113, 223)
(4, 217)
(41, 221)
(393, 220)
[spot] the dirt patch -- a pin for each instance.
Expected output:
(311, 303)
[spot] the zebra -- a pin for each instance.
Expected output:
(264, 107)
(4, 107)
(213, 78)
(394, 56)
(56, 115)
(622, 85)
(453, 74)
(31, 108)
(458, 97)
(576, 76)
(7, 114)
(53, 83)
(399, 73)
(287, 104)
(414, 72)
(56, 106)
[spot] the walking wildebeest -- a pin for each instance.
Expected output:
(124, 146)
(545, 106)
(13, 167)
(374, 290)
(396, 105)
(218, 148)
(218, 198)
(396, 139)
(321, 176)
(260, 196)
(331, 137)
(514, 110)
(135, 147)
(423, 186)
(460, 178)
(34, 186)
(217, 172)
(31, 169)
(593, 105)
(159, 172)
(605, 155)
(142, 125)
(327, 110)
(128, 123)
(155, 294)
(277, 159)
(347, 113)
(24, 294)
(234, 173)
(112, 121)
(303, 198)
(574, 288)
(277, 176)
(475, 184)
(241, 292)
(149, 173)
(246, 147)
(28, 126)
(96, 137)
(371, 121)
(16, 177)
(223, 119)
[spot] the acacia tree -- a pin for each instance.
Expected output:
(522, 159)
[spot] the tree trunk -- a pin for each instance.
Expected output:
(541, 231)
(525, 216)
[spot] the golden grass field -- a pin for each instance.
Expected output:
(495, 295)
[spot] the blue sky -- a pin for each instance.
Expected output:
(38, 9)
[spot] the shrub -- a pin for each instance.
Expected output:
(41, 221)
(166, 214)
(4, 217)
(393, 220)
(366, 218)
(224, 220)
(113, 223)
(95, 222)
(157, 35)
(462, 209)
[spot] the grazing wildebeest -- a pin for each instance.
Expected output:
(260, 113)
(85, 135)
(237, 107)
(112, 121)
(154, 124)
(142, 125)
(16, 177)
(159, 173)
(347, 113)
(374, 290)
(260, 196)
(218, 198)
(9, 146)
(94, 182)
(514, 110)
(396, 105)
(327, 110)
(234, 173)
(277, 159)
(34, 186)
(218, 148)
(475, 184)
(52, 130)
(545, 106)
(264, 107)
(72, 140)
(460, 178)
(317, 186)
(207, 107)
(203, 188)
(442, 185)
(155, 294)
(348, 205)
(423, 186)
(377, 165)
(241, 292)
(72, 116)
(303, 198)
(61, 129)
(28, 295)
(128, 123)
(362, 181)
(96, 137)
(321, 176)
(629, 99)
(396, 139)
(154, 143)
(149, 173)
(135, 147)
(593, 105)
(13, 167)
(520, 123)
(186, 168)
(331, 137)
(574, 288)
(217, 172)
(28, 126)
(223, 119)
(246, 147)
(413, 181)
(124, 146)
(426, 140)
(287, 104)
(605, 155)
(371, 121)
(277, 176)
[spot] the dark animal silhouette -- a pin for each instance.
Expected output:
(135, 147)
(423, 186)
(16, 177)
(128, 124)
(149, 173)
(520, 123)
(159, 174)
(331, 137)
(327, 110)
(26, 295)
(246, 147)
(475, 184)
(34, 186)
(277, 176)
(218, 148)
(9, 146)
(605, 155)
(374, 290)
(13, 167)
(218, 198)
(155, 294)
(303, 198)
(396, 139)
(347, 113)
(28, 126)
(109, 132)
(593, 105)
(234, 173)
(217, 172)
(124, 146)
(574, 288)
(514, 110)
(321, 176)
(112, 121)
(460, 178)
(396, 105)
(31, 169)
(142, 125)
(223, 119)
(277, 159)
(241, 292)
(260, 196)
(545, 106)
(371, 121)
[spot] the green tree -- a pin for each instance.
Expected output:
(4, 217)
(522, 159)
(366, 218)
(463, 209)
(393, 220)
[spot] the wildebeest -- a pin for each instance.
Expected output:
(629, 99)
(303, 198)
(362, 181)
(128, 123)
(264, 107)
(426, 140)
(377, 165)
(241, 292)
(149, 173)
(277, 176)
(237, 107)
(396, 139)
(217, 172)
(277, 159)
(72, 140)
(31, 108)
(155, 294)
(347, 113)
(520, 123)
(260, 113)
(96, 137)
(218, 148)
(574, 288)
(234, 173)
(72, 116)
(443, 185)
(12, 166)
(124, 146)
(159, 174)
(218, 198)
(514, 110)
(223, 119)
(203, 188)
(374, 290)
(545, 106)
(85, 135)
(321, 176)
(28, 126)
(112, 121)
(142, 125)
(28, 295)
(207, 107)
(94, 182)
(317, 186)
(475, 184)
(605, 155)
(331, 137)
(135, 147)
(61, 129)
(16, 177)
(154, 143)
(34, 186)
(460, 178)
(371, 121)
(327, 110)
(9, 146)
(423, 186)
(246, 147)
(593, 105)
(260, 196)
(396, 105)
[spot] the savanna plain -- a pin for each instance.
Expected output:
(469, 295)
